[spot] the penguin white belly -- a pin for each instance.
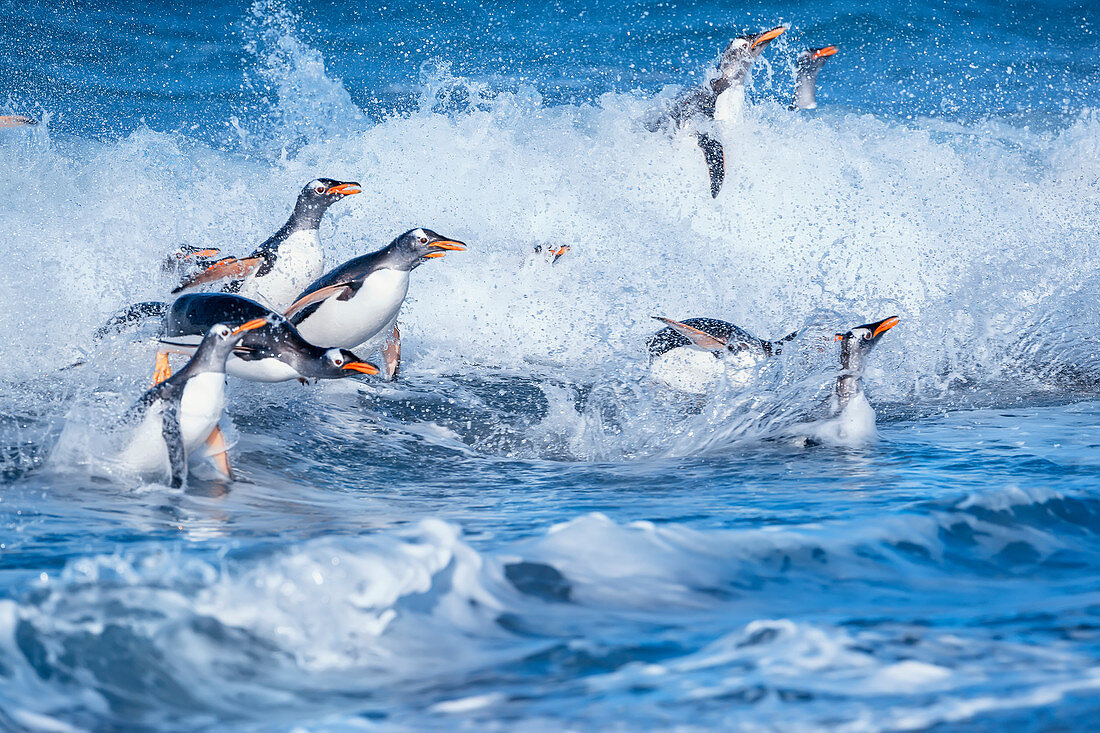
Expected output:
(301, 261)
(687, 370)
(260, 370)
(696, 371)
(199, 411)
(730, 105)
(348, 323)
(201, 408)
(254, 370)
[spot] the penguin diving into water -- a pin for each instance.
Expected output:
(275, 352)
(721, 97)
(178, 416)
(288, 260)
(692, 355)
(807, 67)
(359, 299)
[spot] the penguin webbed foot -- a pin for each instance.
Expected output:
(163, 368)
(218, 450)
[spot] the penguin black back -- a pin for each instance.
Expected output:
(734, 337)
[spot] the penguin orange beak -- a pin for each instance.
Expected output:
(447, 244)
(250, 325)
(824, 52)
(885, 326)
(768, 36)
(345, 189)
(362, 367)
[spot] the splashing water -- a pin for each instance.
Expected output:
(526, 532)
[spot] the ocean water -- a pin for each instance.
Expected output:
(525, 533)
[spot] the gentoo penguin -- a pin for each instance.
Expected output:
(854, 347)
(682, 356)
(273, 353)
(554, 252)
(692, 355)
(289, 259)
(807, 66)
(721, 97)
(16, 121)
(189, 260)
(361, 297)
(180, 414)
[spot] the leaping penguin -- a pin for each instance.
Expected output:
(807, 67)
(274, 353)
(359, 299)
(691, 355)
(721, 97)
(179, 415)
(682, 354)
(289, 259)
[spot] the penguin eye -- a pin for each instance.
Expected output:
(423, 240)
(319, 189)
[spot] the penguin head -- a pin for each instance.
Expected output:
(415, 246)
(868, 334)
(341, 363)
(743, 50)
(812, 59)
(220, 340)
(321, 193)
(857, 342)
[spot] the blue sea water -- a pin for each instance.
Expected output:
(524, 532)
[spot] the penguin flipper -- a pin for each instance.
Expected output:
(16, 121)
(342, 291)
(227, 267)
(173, 439)
(715, 156)
(696, 336)
(391, 353)
(132, 315)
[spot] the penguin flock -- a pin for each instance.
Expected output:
(275, 315)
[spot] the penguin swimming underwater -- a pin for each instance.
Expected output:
(176, 417)
(359, 299)
(289, 259)
(692, 355)
(807, 67)
(722, 97)
(273, 353)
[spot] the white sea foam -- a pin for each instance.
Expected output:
(420, 615)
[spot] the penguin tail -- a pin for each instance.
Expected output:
(131, 316)
(715, 156)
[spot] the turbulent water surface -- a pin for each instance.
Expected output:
(525, 532)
